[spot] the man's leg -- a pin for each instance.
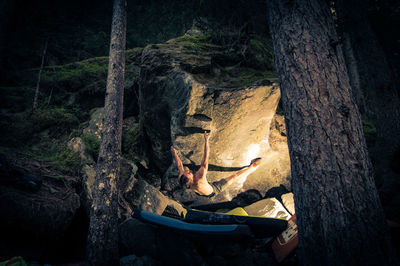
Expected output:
(223, 183)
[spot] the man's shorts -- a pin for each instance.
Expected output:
(218, 186)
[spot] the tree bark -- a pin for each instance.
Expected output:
(102, 242)
(339, 215)
(376, 82)
(35, 99)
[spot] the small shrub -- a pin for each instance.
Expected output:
(369, 128)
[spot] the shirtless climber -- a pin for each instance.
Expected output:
(198, 181)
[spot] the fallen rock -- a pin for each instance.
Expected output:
(268, 208)
(146, 197)
(288, 202)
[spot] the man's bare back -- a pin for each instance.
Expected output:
(198, 181)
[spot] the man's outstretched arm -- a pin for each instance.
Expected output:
(204, 162)
(177, 161)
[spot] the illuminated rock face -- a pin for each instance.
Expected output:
(176, 109)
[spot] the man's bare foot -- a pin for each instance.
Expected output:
(255, 162)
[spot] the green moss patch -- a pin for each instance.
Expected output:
(76, 75)
(234, 77)
(57, 118)
(235, 63)
(25, 128)
(58, 155)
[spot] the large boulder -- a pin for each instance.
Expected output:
(140, 194)
(179, 102)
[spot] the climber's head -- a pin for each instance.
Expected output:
(186, 179)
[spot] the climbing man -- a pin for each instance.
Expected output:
(198, 181)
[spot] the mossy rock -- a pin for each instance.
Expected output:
(240, 64)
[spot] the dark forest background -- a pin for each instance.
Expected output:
(78, 30)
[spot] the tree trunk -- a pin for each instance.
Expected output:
(375, 76)
(339, 215)
(35, 99)
(102, 246)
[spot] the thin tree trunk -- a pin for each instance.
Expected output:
(102, 242)
(339, 215)
(352, 70)
(49, 99)
(35, 99)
